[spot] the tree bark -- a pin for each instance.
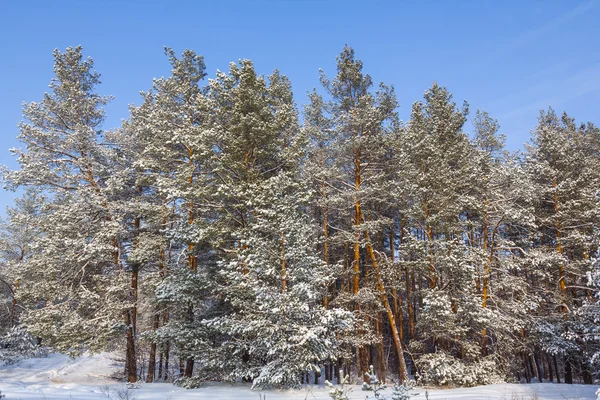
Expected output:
(130, 359)
(556, 369)
(152, 357)
(403, 375)
(356, 277)
(160, 363)
(380, 351)
(559, 249)
(568, 371)
(549, 364)
(325, 240)
(167, 354)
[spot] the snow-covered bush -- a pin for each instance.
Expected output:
(193, 382)
(18, 344)
(403, 391)
(340, 391)
(374, 384)
(442, 369)
(122, 393)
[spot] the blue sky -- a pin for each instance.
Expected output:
(511, 58)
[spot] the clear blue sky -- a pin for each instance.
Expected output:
(510, 58)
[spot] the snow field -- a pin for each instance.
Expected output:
(58, 377)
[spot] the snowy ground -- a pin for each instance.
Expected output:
(58, 377)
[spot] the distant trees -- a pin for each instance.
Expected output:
(217, 237)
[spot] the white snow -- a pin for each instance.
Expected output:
(58, 377)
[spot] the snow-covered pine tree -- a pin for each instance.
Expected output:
(355, 123)
(561, 160)
(271, 280)
(435, 186)
(73, 283)
(165, 137)
(497, 224)
(325, 176)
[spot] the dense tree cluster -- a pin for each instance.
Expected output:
(222, 234)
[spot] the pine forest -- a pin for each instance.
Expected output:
(224, 232)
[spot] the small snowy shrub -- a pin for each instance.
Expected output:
(441, 369)
(125, 394)
(122, 393)
(341, 391)
(19, 344)
(403, 391)
(374, 384)
(193, 382)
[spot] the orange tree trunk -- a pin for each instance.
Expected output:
(386, 304)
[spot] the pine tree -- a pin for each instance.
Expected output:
(270, 280)
(435, 159)
(357, 122)
(164, 137)
(561, 162)
(75, 278)
(503, 206)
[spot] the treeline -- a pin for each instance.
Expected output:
(223, 234)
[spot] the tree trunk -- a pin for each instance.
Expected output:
(192, 265)
(131, 323)
(586, 374)
(559, 249)
(152, 358)
(130, 358)
(536, 367)
(384, 299)
(160, 363)
(531, 369)
(568, 371)
(357, 172)
(549, 367)
(325, 241)
(167, 354)
(556, 369)
(156, 322)
(380, 350)
(526, 368)
(189, 368)
(397, 296)
(543, 363)
(409, 302)
(486, 274)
